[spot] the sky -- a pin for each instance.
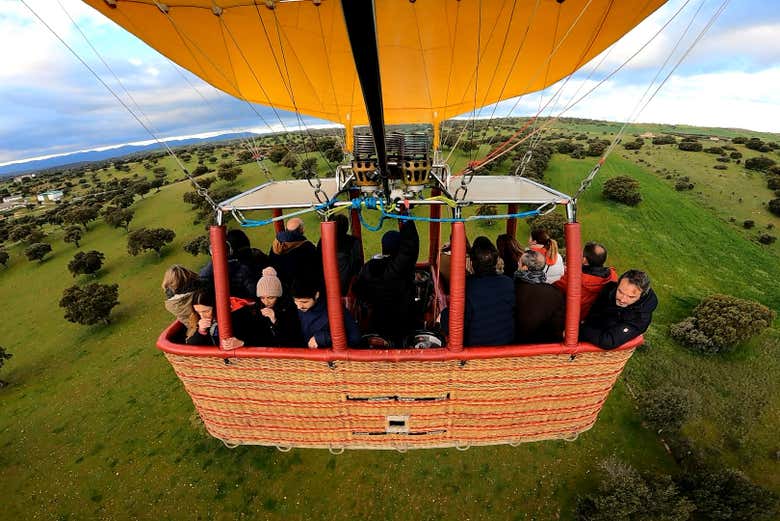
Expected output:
(51, 104)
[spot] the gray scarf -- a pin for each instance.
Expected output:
(531, 277)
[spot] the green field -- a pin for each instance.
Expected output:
(95, 424)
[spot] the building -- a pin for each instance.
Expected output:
(51, 195)
(20, 178)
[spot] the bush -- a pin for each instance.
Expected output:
(765, 238)
(748, 224)
(739, 140)
(89, 305)
(552, 223)
(736, 155)
(720, 167)
(714, 150)
(720, 322)
(626, 495)
(723, 159)
(86, 263)
(773, 182)
(682, 184)
(633, 145)
(667, 408)
(4, 355)
(37, 251)
(760, 163)
(690, 146)
(622, 189)
(4, 258)
(774, 206)
(664, 140)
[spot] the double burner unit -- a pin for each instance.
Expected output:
(409, 162)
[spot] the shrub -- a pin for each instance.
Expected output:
(739, 140)
(552, 223)
(667, 408)
(4, 355)
(626, 495)
(773, 182)
(755, 144)
(720, 322)
(690, 146)
(736, 155)
(714, 150)
(37, 251)
(720, 167)
(86, 263)
(723, 159)
(760, 163)
(774, 206)
(564, 147)
(681, 185)
(4, 258)
(664, 140)
(748, 224)
(89, 305)
(633, 145)
(623, 189)
(765, 238)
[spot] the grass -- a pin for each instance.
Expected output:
(96, 424)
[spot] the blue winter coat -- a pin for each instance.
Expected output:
(314, 323)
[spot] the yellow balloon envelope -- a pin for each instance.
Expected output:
(438, 58)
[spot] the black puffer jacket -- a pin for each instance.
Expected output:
(386, 285)
(609, 325)
(490, 305)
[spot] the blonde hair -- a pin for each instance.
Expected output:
(177, 277)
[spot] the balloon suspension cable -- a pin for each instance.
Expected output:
(199, 189)
(642, 104)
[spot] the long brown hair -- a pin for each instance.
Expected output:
(508, 248)
(540, 236)
(204, 297)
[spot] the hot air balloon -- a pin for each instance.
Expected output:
(380, 63)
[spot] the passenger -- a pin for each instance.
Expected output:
(509, 251)
(594, 275)
(349, 253)
(386, 285)
(178, 284)
(541, 241)
(445, 264)
(313, 315)
(622, 311)
(541, 308)
(292, 255)
(279, 324)
(203, 322)
(490, 300)
(244, 265)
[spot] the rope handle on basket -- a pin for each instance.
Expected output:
(284, 448)
(336, 450)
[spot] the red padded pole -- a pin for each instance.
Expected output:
(511, 223)
(574, 285)
(434, 231)
(457, 287)
(357, 228)
(219, 262)
(278, 225)
(332, 286)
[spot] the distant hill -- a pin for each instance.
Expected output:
(78, 158)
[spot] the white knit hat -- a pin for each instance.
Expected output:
(269, 284)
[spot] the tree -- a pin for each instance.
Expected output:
(229, 172)
(690, 146)
(488, 210)
(626, 495)
(73, 234)
(335, 154)
(82, 215)
(122, 201)
(27, 233)
(720, 322)
(91, 304)
(37, 251)
(116, 217)
(290, 161)
(667, 408)
(142, 188)
(553, 223)
(86, 263)
(245, 156)
(148, 239)
(760, 163)
(309, 165)
(4, 355)
(623, 189)
(198, 246)
(278, 152)
(4, 258)
(728, 495)
(200, 170)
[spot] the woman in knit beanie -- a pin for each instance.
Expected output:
(278, 314)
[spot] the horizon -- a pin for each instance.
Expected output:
(54, 109)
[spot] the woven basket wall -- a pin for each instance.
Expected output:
(399, 405)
